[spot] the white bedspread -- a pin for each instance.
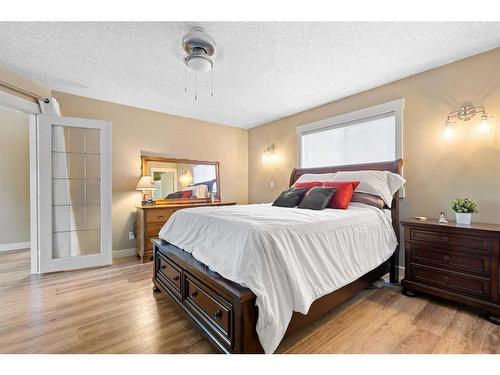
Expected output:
(288, 257)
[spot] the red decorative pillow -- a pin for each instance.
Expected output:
(343, 194)
(307, 185)
(186, 193)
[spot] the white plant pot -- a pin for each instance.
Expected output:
(464, 218)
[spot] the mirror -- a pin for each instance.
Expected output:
(182, 180)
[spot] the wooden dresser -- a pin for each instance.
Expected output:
(150, 219)
(456, 262)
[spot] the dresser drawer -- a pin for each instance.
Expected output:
(439, 278)
(454, 260)
(160, 215)
(170, 272)
(450, 239)
(211, 306)
(152, 229)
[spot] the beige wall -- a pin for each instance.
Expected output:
(14, 177)
(436, 170)
(136, 130)
(23, 83)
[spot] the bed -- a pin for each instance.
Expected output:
(249, 275)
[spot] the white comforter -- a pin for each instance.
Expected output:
(288, 257)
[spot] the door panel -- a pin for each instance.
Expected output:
(74, 172)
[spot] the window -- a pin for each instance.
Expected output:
(202, 173)
(370, 135)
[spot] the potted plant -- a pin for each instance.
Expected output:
(464, 208)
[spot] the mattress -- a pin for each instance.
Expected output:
(288, 257)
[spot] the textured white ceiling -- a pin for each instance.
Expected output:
(264, 71)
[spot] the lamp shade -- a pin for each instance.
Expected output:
(146, 183)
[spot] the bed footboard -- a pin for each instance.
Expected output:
(224, 311)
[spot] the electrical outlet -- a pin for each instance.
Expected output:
(271, 184)
(131, 236)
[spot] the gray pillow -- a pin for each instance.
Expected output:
(368, 199)
(290, 198)
(317, 198)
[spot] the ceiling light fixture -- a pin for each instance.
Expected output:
(200, 51)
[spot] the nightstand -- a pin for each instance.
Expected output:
(456, 262)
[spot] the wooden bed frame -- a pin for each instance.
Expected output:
(224, 311)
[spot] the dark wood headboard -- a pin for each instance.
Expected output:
(392, 166)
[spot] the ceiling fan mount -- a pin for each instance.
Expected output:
(200, 50)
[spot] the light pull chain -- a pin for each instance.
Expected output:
(195, 86)
(185, 79)
(212, 83)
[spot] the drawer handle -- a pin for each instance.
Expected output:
(163, 266)
(161, 217)
(446, 279)
(217, 314)
(194, 294)
(446, 258)
(445, 238)
(176, 278)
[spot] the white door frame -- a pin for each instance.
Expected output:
(32, 109)
(170, 170)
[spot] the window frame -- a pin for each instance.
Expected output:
(393, 107)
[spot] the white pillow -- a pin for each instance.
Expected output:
(199, 191)
(308, 177)
(395, 182)
(380, 183)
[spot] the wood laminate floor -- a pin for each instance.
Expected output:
(113, 310)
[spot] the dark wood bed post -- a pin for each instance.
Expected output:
(392, 166)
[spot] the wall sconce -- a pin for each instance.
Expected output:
(270, 155)
(466, 113)
(186, 178)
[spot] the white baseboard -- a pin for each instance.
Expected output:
(15, 246)
(123, 253)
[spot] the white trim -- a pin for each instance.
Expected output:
(35, 259)
(15, 246)
(18, 104)
(124, 253)
(395, 106)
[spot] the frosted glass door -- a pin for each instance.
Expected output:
(75, 193)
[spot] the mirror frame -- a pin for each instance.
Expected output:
(144, 168)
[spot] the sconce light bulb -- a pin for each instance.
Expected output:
(484, 126)
(270, 155)
(449, 132)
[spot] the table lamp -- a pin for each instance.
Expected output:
(146, 184)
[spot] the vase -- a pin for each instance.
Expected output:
(464, 218)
